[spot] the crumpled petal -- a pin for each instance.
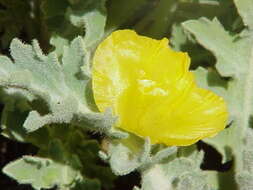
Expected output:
(153, 93)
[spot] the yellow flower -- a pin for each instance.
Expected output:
(153, 93)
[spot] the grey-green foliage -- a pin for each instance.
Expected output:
(67, 19)
(234, 54)
(127, 155)
(40, 90)
(245, 177)
(177, 173)
(235, 66)
(41, 172)
(85, 15)
(60, 86)
(48, 98)
(67, 158)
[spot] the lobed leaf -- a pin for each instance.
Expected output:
(245, 9)
(62, 87)
(40, 172)
(178, 173)
(67, 19)
(234, 54)
(233, 60)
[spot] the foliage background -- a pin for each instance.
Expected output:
(216, 33)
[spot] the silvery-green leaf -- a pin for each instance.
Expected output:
(67, 19)
(245, 180)
(235, 60)
(175, 173)
(223, 140)
(40, 172)
(245, 9)
(92, 16)
(132, 153)
(60, 85)
(124, 154)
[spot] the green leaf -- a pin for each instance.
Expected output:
(14, 114)
(211, 80)
(132, 153)
(70, 147)
(59, 43)
(178, 173)
(183, 41)
(218, 41)
(223, 141)
(123, 155)
(61, 87)
(245, 9)
(12, 128)
(91, 184)
(67, 19)
(40, 172)
(88, 154)
(62, 31)
(245, 180)
(234, 54)
(244, 177)
(92, 16)
(220, 180)
(178, 37)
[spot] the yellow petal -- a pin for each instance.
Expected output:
(151, 90)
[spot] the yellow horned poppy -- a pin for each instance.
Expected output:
(153, 93)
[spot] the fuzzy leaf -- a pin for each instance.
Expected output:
(245, 9)
(245, 180)
(67, 19)
(218, 41)
(69, 147)
(123, 155)
(40, 172)
(132, 153)
(234, 56)
(223, 141)
(61, 87)
(234, 59)
(244, 177)
(92, 16)
(178, 37)
(211, 80)
(175, 174)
